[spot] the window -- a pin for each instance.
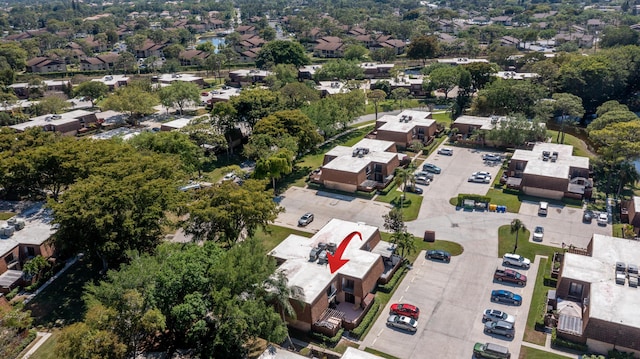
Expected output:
(8, 259)
(575, 290)
(347, 285)
(519, 166)
(349, 298)
(31, 252)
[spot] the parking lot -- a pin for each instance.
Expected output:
(451, 297)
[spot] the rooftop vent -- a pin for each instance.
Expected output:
(546, 155)
(7, 230)
(331, 247)
(313, 254)
(621, 267)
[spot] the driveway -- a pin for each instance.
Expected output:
(451, 298)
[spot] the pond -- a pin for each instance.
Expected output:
(216, 41)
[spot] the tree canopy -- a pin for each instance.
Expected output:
(282, 52)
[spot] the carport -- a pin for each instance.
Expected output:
(9, 280)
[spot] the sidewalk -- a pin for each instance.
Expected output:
(41, 337)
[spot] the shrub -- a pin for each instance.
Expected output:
(560, 342)
(366, 321)
(550, 282)
(12, 294)
(615, 354)
(387, 288)
(330, 341)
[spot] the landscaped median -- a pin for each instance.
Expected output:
(410, 204)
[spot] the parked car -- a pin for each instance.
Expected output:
(509, 275)
(500, 328)
(430, 167)
(305, 219)
(587, 216)
(402, 322)
(445, 151)
(505, 296)
(414, 189)
(481, 173)
(492, 157)
(480, 179)
(516, 260)
(429, 175)
(407, 310)
(538, 234)
(603, 219)
(439, 254)
(494, 315)
(422, 180)
(491, 351)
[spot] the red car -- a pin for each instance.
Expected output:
(406, 310)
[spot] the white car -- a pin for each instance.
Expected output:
(402, 322)
(480, 179)
(603, 219)
(481, 173)
(516, 260)
(422, 180)
(445, 151)
(538, 234)
(494, 315)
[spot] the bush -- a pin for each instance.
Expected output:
(550, 282)
(367, 320)
(559, 342)
(615, 354)
(330, 341)
(387, 288)
(12, 294)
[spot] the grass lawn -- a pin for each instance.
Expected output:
(379, 353)
(579, 147)
(61, 302)
(410, 205)
(443, 118)
(46, 349)
(537, 307)
(6, 215)
(275, 235)
(531, 353)
(506, 241)
(499, 197)
(453, 248)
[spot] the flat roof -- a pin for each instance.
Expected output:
(111, 80)
(178, 123)
(346, 162)
(609, 301)
(178, 77)
(253, 72)
(312, 278)
(353, 353)
(484, 122)
(512, 75)
(225, 94)
(332, 87)
(559, 169)
(43, 120)
(402, 80)
(394, 123)
(461, 61)
(37, 228)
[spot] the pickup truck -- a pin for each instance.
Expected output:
(509, 275)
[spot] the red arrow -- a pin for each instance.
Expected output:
(335, 260)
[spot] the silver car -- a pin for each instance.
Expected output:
(494, 315)
(500, 327)
(402, 322)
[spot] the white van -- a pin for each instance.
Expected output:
(543, 208)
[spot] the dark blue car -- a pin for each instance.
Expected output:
(506, 297)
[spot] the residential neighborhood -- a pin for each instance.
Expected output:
(362, 179)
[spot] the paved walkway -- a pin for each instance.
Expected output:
(41, 337)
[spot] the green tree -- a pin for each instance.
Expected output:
(618, 36)
(609, 106)
(221, 213)
(355, 52)
(173, 51)
(224, 117)
(283, 74)
(376, 96)
(516, 227)
(504, 97)
(180, 94)
(404, 242)
(253, 104)
(516, 131)
(393, 221)
(14, 55)
(610, 117)
(383, 54)
(51, 105)
(93, 90)
(297, 94)
(400, 94)
(446, 78)
(132, 100)
(481, 74)
(567, 107)
(171, 143)
(79, 341)
(282, 52)
(423, 48)
(275, 166)
(619, 140)
(293, 123)
(126, 62)
(339, 70)
(120, 207)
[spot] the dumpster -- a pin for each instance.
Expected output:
(493, 207)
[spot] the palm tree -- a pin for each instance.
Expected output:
(279, 295)
(404, 241)
(404, 176)
(516, 227)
